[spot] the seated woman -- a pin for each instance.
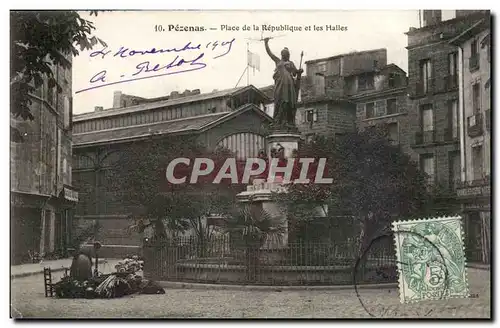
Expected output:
(81, 267)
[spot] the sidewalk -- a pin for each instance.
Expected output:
(480, 266)
(24, 270)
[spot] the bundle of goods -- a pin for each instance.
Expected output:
(130, 264)
(113, 286)
(123, 282)
(106, 286)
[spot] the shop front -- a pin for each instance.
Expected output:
(476, 209)
(68, 199)
(26, 225)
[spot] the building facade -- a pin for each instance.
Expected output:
(473, 47)
(353, 91)
(385, 104)
(232, 119)
(433, 87)
(325, 107)
(42, 196)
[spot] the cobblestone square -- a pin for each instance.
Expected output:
(28, 301)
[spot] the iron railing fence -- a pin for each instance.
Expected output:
(224, 260)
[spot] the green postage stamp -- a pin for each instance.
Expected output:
(431, 259)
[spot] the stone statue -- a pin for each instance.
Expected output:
(286, 86)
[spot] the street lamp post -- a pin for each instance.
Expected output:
(97, 245)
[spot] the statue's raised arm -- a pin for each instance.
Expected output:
(269, 52)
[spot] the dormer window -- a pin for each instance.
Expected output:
(365, 82)
(311, 115)
(322, 67)
(392, 80)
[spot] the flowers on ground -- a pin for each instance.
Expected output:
(130, 264)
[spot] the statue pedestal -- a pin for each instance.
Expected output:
(288, 140)
(260, 194)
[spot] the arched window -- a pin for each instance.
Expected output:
(244, 145)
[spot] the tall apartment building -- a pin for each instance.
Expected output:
(354, 90)
(42, 196)
(433, 69)
(383, 102)
(474, 60)
(325, 107)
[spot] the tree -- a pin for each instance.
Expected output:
(251, 227)
(140, 179)
(374, 182)
(39, 41)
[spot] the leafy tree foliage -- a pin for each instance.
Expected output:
(250, 228)
(140, 179)
(40, 40)
(374, 182)
(253, 226)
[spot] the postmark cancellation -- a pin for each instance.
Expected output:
(431, 259)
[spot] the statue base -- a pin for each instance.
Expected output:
(288, 140)
(260, 194)
(284, 128)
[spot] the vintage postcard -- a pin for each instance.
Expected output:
(250, 164)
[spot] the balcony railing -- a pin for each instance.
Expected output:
(475, 125)
(474, 62)
(450, 135)
(425, 137)
(451, 82)
(443, 188)
(424, 87)
(365, 87)
(455, 184)
(487, 116)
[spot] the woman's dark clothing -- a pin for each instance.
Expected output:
(81, 267)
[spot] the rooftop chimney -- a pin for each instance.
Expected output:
(117, 99)
(431, 17)
(98, 108)
(195, 92)
(174, 95)
(186, 93)
(462, 13)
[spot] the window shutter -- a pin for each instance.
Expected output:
(428, 119)
(380, 108)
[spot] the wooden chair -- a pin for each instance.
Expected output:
(47, 281)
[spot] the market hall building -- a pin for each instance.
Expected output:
(234, 119)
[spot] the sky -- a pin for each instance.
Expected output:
(224, 52)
